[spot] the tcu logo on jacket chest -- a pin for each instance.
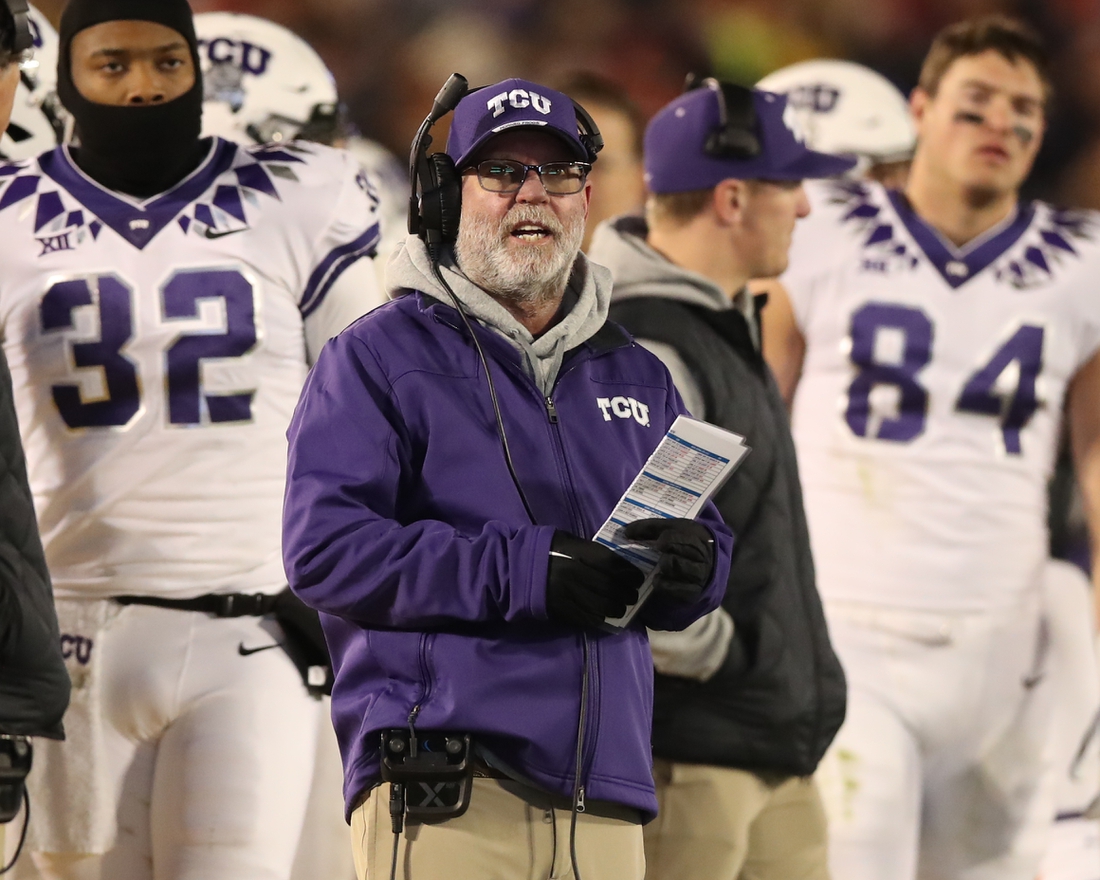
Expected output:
(623, 408)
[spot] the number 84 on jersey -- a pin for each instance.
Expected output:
(892, 350)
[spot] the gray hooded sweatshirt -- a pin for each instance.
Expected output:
(587, 299)
(639, 270)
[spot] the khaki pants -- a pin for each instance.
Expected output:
(717, 823)
(500, 837)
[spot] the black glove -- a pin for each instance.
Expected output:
(587, 582)
(687, 555)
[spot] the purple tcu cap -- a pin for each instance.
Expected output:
(514, 103)
(676, 159)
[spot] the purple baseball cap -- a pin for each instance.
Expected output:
(675, 139)
(514, 103)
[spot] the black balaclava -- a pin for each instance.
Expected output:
(139, 150)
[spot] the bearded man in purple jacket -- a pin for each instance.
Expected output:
(458, 595)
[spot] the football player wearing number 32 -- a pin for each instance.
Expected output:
(937, 332)
(161, 297)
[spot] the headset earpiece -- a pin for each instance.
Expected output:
(440, 189)
(435, 200)
(590, 136)
(22, 38)
(735, 137)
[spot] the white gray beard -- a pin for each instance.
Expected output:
(531, 276)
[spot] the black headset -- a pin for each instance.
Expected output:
(736, 137)
(435, 201)
(21, 38)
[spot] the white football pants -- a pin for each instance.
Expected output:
(1074, 850)
(940, 769)
(200, 746)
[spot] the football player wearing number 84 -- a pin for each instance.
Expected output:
(161, 298)
(937, 332)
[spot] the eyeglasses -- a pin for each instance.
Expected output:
(558, 178)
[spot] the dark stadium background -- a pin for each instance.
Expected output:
(390, 56)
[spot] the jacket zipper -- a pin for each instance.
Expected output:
(592, 726)
(570, 491)
(588, 744)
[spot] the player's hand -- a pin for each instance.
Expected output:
(686, 563)
(586, 582)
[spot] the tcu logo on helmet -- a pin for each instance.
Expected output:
(623, 408)
(819, 98)
(518, 99)
(241, 54)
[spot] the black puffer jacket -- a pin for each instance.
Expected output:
(34, 686)
(779, 698)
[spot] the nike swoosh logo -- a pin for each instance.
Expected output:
(211, 234)
(244, 652)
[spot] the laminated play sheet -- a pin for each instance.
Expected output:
(684, 472)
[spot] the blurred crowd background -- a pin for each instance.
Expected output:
(390, 57)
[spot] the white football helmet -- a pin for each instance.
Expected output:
(263, 83)
(38, 121)
(848, 109)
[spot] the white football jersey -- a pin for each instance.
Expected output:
(930, 402)
(157, 350)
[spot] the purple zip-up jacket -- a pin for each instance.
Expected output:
(403, 528)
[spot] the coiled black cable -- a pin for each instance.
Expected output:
(22, 834)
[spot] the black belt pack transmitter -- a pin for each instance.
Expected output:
(16, 756)
(429, 772)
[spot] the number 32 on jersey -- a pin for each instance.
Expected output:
(1016, 364)
(180, 298)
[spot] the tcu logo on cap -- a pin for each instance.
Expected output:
(243, 55)
(519, 99)
(623, 408)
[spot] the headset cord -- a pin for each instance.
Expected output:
(22, 834)
(578, 804)
(433, 254)
(397, 820)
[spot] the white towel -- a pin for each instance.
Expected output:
(72, 797)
